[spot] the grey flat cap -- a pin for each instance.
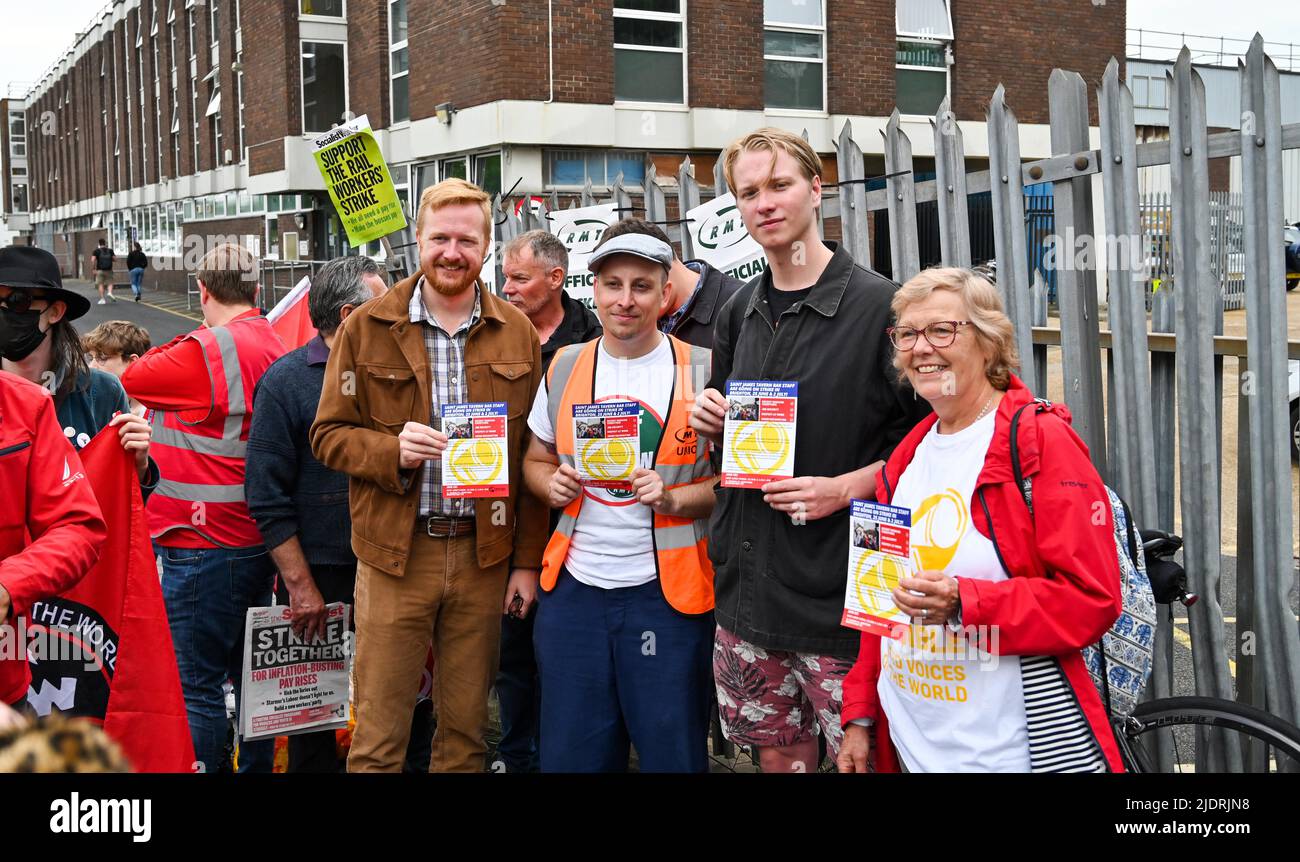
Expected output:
(639, 244)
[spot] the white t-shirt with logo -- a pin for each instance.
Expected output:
(951, 708)
(612, 545)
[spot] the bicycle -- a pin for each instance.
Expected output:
(1271, 743)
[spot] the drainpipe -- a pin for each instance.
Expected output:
(550, 54)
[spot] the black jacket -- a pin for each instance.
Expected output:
(778, 585)
(714, 289)
(137, 260)
(579, 325)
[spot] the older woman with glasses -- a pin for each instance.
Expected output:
(39, 343)
(988, 676)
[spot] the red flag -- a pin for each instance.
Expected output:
(290, 319)
(103, 650)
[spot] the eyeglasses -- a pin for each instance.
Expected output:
(19, 300)
(941, 333)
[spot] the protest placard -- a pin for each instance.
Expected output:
(758, 436)
(476, 462)
(291, 686)
(879, 547)
(358, 182)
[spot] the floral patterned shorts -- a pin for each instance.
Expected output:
(771, 697)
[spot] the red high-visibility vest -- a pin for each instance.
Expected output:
(202, 462)
(681, 550)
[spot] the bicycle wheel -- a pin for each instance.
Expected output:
(1209, 735)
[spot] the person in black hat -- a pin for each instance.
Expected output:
(39, 343)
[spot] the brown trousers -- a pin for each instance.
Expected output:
(444, 597)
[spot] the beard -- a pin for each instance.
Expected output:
(450, 284)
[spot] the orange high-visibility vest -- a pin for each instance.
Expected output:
(202, 463)
(681, 553)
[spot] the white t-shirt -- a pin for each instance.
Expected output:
(612, 545)
(951, 707)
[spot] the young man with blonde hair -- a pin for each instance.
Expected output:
(215, 566)
(780, 552)
(431, 568)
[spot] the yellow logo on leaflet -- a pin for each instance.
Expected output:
(761, 448)
(874, 578)
(475, 462)
(608, 460)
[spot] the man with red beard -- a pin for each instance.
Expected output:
(430, 567)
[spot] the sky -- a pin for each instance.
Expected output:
(29, 43)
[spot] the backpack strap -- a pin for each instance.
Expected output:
(1025, 485)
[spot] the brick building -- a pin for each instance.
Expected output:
(176, 118)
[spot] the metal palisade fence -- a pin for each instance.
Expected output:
(1182, 257)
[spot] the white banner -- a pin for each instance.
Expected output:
(719, 239)
(580, 230)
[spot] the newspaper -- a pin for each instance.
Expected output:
(290, 686)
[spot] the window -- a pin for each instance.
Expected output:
(322, 8)
(324, 85)
(487, 173)
(794, 65)
(458, 168)
(194, 121)
(398, 69)
(923, 55)
(650, 51)
(572, 168)
(193, 28)
(20, 197)
(1148, 92)
(17, 134)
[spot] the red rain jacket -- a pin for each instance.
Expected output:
(1064, 589)
(51, 528)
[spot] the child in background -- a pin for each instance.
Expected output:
(114, 345)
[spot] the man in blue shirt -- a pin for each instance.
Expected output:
(300, 505)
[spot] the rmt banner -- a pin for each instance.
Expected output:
(580, 230)
(719, 237)
(291, 686)
(358, 181)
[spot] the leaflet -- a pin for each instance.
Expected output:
(758, 435)
(880, 539)
(606, 439)
(291, 686)
(476, 462)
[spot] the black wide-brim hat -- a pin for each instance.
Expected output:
(30, 267)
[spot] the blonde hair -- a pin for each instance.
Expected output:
(771, 140)
(983, 303)
(229, 272)
(453, 192)
(117, 338)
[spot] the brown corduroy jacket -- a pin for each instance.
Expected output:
(378, 379)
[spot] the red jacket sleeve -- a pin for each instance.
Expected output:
(63, 520)
(174, 376)
(860, 696)
(1079, 598)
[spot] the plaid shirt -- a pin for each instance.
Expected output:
(447, 367)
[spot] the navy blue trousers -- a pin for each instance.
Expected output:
(617, 667)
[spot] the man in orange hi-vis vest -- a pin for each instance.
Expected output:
(625, 617)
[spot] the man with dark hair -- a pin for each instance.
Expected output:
(215, 567)
(535, 264)
(301, 506)
(101, 260)
(696, 291)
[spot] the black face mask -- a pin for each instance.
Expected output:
(20, 333)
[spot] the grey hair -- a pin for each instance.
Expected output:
(547, 249)
(336, 284)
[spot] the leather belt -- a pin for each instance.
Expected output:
(442, 526)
